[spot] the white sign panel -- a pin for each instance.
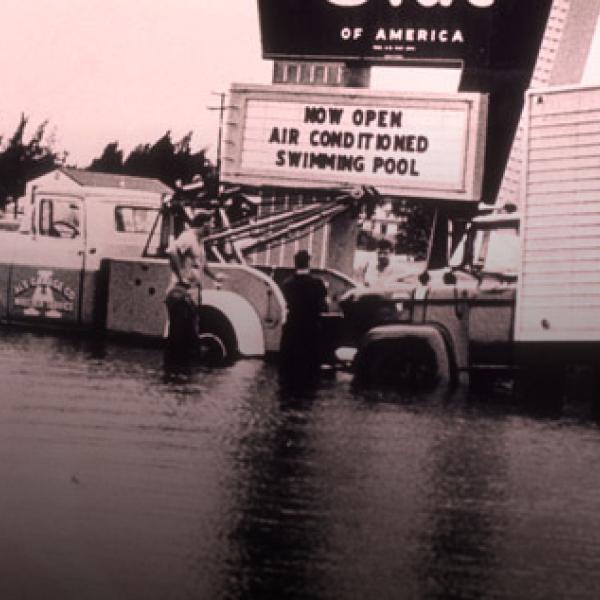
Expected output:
(412, 145)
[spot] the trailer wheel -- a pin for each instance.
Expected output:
(409, 363)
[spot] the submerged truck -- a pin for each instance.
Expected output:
(522, 290)
(433, 327)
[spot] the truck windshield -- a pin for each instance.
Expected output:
(496, 251)
(489, 250)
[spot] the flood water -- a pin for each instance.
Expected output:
(120, 481)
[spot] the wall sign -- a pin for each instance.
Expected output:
(43, 295)
(403, 144)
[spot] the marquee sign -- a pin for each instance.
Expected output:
(379, 30)
(403, 144)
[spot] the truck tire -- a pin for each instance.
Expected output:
(216, 342)
(409, 363)
(210, 349)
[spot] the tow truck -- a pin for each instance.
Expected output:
(90, 255)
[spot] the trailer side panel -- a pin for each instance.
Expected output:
(559, 289)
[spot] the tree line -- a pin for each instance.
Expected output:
(173, 163)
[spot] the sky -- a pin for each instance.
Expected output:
(126, 70)
(129, 70)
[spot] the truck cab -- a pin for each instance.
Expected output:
(433, 327)
(51, 267)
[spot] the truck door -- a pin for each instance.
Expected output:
(492, 304)
(47, 269)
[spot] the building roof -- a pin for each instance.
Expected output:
(110, 180)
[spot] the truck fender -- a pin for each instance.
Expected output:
(242, 317)
(424, 348)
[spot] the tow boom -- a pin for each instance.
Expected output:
(232, 242)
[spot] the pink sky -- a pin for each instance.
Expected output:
(103, 70)
(128, 70)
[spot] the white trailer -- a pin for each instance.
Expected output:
(558, 300)
(557, 313)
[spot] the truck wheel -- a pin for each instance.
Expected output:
(210, 349)
(216, 342)
(406, 364)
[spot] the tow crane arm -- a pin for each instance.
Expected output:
(233, 241)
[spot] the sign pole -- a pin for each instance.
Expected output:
(221, 108)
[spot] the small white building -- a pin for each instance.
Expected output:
(384, 223)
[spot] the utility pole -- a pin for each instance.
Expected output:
(221, 108)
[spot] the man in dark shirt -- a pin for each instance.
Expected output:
(306, 297)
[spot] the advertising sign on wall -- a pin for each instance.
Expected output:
(403, 144)
(375, 30)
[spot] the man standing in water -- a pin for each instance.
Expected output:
(306, 297)
(187, 260)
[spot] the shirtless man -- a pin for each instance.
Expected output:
(187, 260)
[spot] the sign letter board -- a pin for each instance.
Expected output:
(420, 145)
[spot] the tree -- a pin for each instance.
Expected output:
(21, 160)
(173, 163)
(136, 162)
(111, 160)
(413, 238)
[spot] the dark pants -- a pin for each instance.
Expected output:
(183, 324)
(300, 351)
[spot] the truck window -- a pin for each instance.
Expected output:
(60, 217)
(133, 219)
(497, 250)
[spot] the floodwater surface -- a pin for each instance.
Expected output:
(123, 481)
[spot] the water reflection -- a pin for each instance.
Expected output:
(464, 509)
(277, 526)
(122, 480)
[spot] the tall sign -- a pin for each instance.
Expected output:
(426, 145)
(496, 41)
(378, 30)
